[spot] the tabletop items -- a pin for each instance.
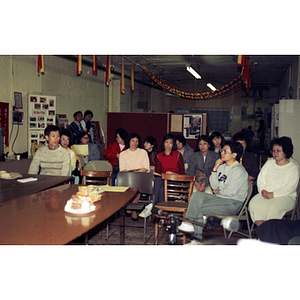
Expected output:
(83, 201)
(11, 175)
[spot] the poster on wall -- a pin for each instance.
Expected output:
(192, 126)
(41, 113)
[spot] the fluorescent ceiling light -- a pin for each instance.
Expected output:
(193, 72)
(211, 86)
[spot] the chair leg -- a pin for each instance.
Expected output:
(156, 231)
(145, 224)
(184, 239)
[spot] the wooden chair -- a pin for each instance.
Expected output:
(178, 190)
(95, 177)
(98, 165)
(243, 215)
(142, 181)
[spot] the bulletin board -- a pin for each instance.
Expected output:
(218, 119)
(41, 113)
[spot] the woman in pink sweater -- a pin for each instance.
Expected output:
(134, 159)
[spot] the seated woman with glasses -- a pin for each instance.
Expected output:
(277, 183)
(229, 182)
(94, 153)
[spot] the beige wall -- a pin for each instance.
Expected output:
(19, 74)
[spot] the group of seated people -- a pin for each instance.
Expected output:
(225, 168)
(59, 156)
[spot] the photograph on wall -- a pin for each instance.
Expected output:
(18, 100)
(192, 125)
(39, 116)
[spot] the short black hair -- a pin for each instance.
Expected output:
(122, 133)
(201, 138)
(181, 139)
(235, 147)
(241, 136)
(151, 140)
(131, 136)
(68, 134)
(286, 143)
(50, 128)
(212, 136)
(168, 136)
(88, 112)
(76, 113)
(81, 135)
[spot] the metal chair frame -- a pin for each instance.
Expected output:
(142, 181)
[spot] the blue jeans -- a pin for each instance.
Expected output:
(202, 203)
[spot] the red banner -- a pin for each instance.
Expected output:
(95, 70)
(132, 78)
(107, 74)
(40, 67)
(79, 65)
(122, 78)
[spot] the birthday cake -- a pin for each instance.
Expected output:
(83, 201)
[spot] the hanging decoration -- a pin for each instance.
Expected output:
(79, 65)
(122, 78)
(244, 64)
(40, 68)
(107, 74)
(227, 89)
(132, 78)
(95, 70)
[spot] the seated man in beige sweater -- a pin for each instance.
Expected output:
(52, 159)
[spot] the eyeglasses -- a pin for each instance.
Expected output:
(275, 151)
(222, 150)
(64, 139)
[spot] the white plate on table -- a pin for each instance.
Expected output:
(9, 178)
(79, 211)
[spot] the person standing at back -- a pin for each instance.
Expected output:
(76, 127)
(86, 123)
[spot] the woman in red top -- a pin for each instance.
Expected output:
(113, 151)
(168, 161)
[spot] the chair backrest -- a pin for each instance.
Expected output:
(178, 187)
(142, 181)
(98, 165)
(244, 207)
(95, 177)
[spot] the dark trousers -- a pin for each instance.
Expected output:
(278, 231)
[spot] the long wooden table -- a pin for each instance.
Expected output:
(40, 219)
(11, 189)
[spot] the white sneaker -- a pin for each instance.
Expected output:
(186, 227)
(193, 243)
(147, 211)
